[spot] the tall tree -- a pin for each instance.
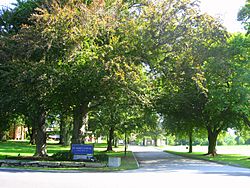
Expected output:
(180, 90)
(227, 78)
(100, 55)
(244, 16)
(26, 81)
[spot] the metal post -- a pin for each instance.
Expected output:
(125, 142)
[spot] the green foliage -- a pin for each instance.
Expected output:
(170, 140)
(12, 20)
(244, 16)
(101, 157)
(181, 77)
(125, 63)
(70, 49)
(62, 156)
(199, 86)
(226, 139)
(227, 82)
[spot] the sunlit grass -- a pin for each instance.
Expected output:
(230, 159)
(15, 148)
(23, 148)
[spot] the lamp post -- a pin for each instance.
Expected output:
(125, 140)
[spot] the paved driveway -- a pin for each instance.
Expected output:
(155, 160)
(158, 169)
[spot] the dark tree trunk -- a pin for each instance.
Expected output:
(29, 131)
(110, 139)
(33, 135)
(62, 129)
(144, 142)
(212, 139)
(116, 143)
(32, 129)
(41, 150)
(3, 126)
(155, 141)
(80, 120)
(190, 136)
(2, 135)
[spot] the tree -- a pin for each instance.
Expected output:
(120, 113)
(181, 105)
(99, 50)
(4, 125)
(180, 93)
(13, 19)
(244, 16)
(27, 75)
(65, 129)
(61, 44)
(227, 79)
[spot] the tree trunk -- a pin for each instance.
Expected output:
(33, 135)
(212, 139)
(41, 150)
(32, 128)
(62, 129)
(110, 139)
(4, 127)
(65, 128)
(144, 141)
(116, 143)
(2, 135)
(155, 141)
(190, 135)
(80, 120)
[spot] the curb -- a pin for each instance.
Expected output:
(137, 163)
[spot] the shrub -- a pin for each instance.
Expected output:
(102, 157)
(63, 156)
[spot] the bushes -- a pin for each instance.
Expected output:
(68, 156)
(101, 157)
(62, 156)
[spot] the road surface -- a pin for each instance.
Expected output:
(157, 169)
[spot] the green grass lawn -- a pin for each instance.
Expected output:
(230, 159)
(23, 148)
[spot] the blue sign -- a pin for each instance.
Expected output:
(82, 149)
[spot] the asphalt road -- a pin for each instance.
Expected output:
(157, 169)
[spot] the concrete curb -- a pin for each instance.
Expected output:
(137, 163)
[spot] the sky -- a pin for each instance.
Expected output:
(226, 10)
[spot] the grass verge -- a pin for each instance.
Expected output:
(228, 159)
